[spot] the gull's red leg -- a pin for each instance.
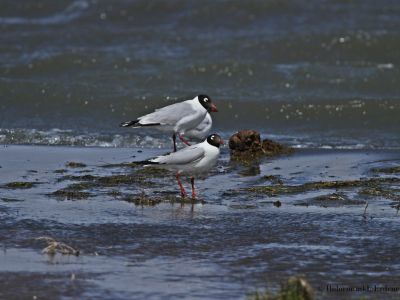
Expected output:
(183, 193)
(174, 139)
(183, 140)
(193, 189)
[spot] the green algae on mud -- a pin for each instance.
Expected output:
(145, 200)
(122, 165)
(76, 177)
(20, 185)
(331, 200)
(389, 170)
(378, 191)
(10, 200)
(69, 194)
(279, 189)
(86, 183)
(89, 181)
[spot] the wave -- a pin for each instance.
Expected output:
(58, 137)
(70, 13)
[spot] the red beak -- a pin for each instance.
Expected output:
(222, 142)
(213, 108)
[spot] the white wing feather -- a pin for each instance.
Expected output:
(184, 156)
(202, 130)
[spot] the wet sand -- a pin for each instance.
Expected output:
(253, 226)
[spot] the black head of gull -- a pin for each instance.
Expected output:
(215, 140)
(206, 102)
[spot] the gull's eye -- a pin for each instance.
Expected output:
(205, 99)
(212, 137)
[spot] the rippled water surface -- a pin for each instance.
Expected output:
(137, 239)
(320, 76)
(310, 73)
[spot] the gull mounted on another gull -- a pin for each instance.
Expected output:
(201, 131)
(193, 160)
(176, 118)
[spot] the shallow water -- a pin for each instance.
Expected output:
(308, 73)
(321, 76)
(227, 246)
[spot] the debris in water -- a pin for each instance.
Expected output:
(54, 247)
(277, 203)
(365, 212)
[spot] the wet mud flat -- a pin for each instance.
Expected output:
(330, 215)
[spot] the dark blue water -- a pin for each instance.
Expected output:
(308, 73)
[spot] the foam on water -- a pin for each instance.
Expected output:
(149, 139)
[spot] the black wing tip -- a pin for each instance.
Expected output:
(136, 123)
(128, 123)
(147, 162)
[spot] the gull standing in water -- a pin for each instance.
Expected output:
(193, 160)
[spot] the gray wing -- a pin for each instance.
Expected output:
(168, 115)
(184, 156)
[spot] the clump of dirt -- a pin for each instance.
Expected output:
(247, 145)
(20, 185)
